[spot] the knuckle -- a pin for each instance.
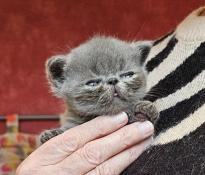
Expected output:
(101, 125)
(70, 142)
(91, 154)
(132, 155)
(102, 129)
(127, 137)
(104, 169)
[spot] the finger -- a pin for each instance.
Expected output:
(119, 162)
(97, 151)
(59, 147)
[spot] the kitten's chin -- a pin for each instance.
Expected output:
(112, 109)
(116, 107)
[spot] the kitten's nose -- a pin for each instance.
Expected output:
(112, 81)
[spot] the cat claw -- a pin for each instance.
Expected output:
(48, 134)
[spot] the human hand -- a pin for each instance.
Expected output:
(101, 146)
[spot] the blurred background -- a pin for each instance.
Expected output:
(31, 31)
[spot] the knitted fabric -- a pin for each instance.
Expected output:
(176, 85)
(14, 146)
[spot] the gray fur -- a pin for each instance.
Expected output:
(103, 58)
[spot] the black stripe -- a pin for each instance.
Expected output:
(172, 116)
(162, 38)
(182, 157)
(146, 51)
(144, 54)
(154, 62)
(183, 74)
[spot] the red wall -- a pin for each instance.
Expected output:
(31, 31)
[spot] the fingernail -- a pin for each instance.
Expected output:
(121, 118)
(146, 128)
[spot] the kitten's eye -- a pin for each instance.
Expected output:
(127, 74)
(93, 82)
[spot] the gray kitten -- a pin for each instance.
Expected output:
(103, 76)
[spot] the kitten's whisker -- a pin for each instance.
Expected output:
(158, 90)
(150, 95)
(105, 98)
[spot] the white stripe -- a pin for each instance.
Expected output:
(158, 48)
(179, 54)
(185, 127)
(184, 93)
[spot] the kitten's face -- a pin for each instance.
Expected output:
(102, 76)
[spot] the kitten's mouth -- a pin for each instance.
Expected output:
(119, 94)
(112, 96)
(116, 93)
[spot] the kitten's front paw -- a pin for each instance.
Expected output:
(148, 109)
(48, 134)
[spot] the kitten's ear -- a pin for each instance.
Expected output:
(55, 70)
(142, 49)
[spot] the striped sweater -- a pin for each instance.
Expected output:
(176, 85)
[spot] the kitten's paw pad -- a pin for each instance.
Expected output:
(147, 108)
(48, 134)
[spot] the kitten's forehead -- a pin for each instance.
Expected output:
(106, 62)
(102, 56)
